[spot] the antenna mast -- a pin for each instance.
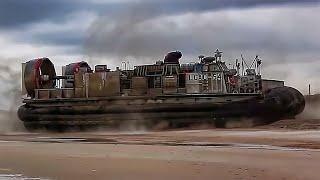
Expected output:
(245, 63)
(258, 64)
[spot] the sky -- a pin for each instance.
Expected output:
(284, 33)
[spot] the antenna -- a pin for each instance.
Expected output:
(258, 64)
(128, 64)
(253, 63)
(123, 65)
(238, 67)
(243, 62)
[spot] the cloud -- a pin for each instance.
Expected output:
(278, 31)
(17, 13)
(69, 32)
(37, 21)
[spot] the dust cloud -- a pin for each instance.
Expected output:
(312, 108)
(10, 99)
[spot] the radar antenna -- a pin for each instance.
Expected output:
(218, 55)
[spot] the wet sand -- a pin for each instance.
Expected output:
(187, 154)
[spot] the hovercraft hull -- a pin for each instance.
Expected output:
(174, 108)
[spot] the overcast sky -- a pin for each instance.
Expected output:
(285, 33)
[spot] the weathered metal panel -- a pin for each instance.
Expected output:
(139, 86)
(193, 84)
(101, 84)
(155, 91)
(63, 69)
(193, 88)
(79, 81)
(43, 93)
(112, 83)
(269, 84)
(68, 93)
(182, 90)
(170, 84)
(96, 84)
(126, 92)
(56, 93)
(79, 92)
(79, 85)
